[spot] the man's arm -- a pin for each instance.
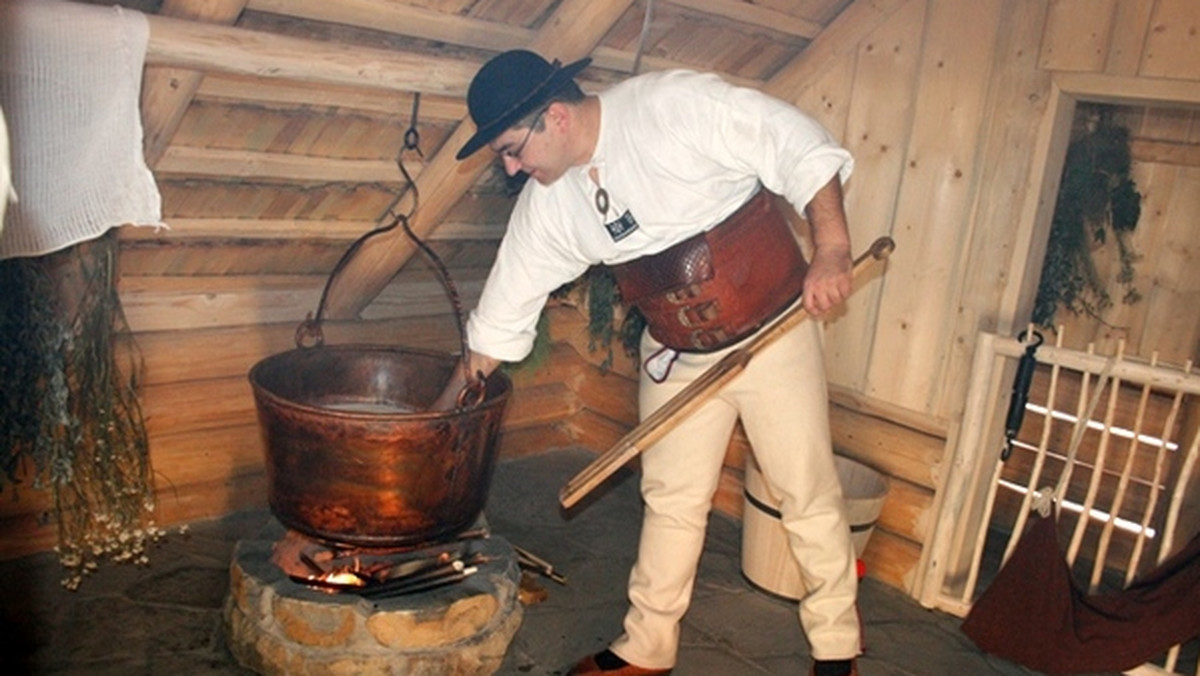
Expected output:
(475, 363)
(828, 280)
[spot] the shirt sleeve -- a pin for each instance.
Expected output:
(531, 263)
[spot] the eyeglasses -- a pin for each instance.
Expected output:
(515, 153)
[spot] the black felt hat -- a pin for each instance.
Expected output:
(508, 87)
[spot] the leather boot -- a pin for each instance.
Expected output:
(612, 666)
(853, 669)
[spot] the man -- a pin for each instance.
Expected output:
(664, 177)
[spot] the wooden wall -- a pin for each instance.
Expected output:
(957, 114)
(950, 109)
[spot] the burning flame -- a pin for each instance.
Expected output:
(342, 578)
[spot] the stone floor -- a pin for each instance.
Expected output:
(166, 618)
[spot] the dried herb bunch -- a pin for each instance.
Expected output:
(70, 419)
(1097, 197)
(598, 289)
(604, 298)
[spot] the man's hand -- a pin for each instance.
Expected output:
(828, 280)
(476, 363)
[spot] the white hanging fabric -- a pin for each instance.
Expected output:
(7, 194)
(70, 81)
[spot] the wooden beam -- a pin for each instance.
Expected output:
(570, 33)
(167, 92)
(187, 44)
(1128, 90)
(250, 164)
(1165, 152)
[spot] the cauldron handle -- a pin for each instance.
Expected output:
(473, 392)
(310, 328)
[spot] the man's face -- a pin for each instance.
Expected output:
(535, 150)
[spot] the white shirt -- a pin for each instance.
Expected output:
(678, 151)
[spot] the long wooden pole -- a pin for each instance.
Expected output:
(683, 404)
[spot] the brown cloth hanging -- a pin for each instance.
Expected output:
(1034, 614)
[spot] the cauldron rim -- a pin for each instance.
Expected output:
(498, 379)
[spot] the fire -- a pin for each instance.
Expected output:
(342, 578)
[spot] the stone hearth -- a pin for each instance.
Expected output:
(275, 625)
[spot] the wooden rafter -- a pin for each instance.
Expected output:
(167, 92)
(188, 44)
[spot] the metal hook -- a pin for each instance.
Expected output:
(412, 137)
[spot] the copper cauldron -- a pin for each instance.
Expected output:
(352, 454)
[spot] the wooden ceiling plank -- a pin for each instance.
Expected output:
(250, 164)
(755, 15)
(167, 92)
(249, 228)
(571, 32)
(623, 61)
(842, 35)
(237, 89)
(401, 18)
(188, 44)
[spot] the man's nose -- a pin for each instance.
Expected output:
(512, 165)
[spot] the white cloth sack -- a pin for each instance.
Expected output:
(70, 80)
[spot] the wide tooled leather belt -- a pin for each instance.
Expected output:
(720, 286)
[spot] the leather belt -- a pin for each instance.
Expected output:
(720, 286)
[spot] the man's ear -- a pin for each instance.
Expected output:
(557, 115)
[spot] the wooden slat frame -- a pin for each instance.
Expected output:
(951, 570)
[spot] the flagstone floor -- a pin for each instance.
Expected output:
(166, 618)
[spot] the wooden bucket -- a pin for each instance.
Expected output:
(767, 560)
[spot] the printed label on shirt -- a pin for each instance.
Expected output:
(620, 228)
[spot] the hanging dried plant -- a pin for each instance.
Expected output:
(70, 419)
(598, 289)
(604, 300)
(1097, 197)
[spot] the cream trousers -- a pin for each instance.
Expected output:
(781, 399)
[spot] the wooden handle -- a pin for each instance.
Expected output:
(687, 400)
